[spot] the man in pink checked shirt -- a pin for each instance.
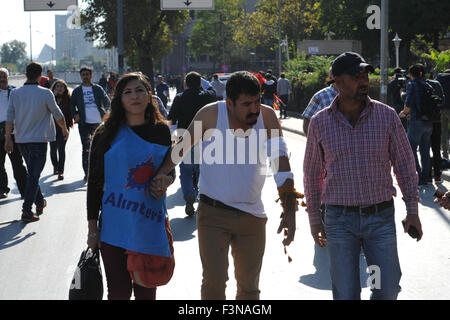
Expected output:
(350, 149)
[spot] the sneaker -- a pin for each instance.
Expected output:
(3, 195)
(29, 217)
(60, 176)
(40, 210)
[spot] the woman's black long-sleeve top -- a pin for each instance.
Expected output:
(158, 134)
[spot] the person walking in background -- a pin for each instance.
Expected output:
(219, 87)
(184, 107)
(269, 88)
(162, 90)
(30, 110)
(283, 91)
(133, 136)
(436, 161)
(396, 88)
(420, 129)
(350, 149)
(19, 170)
(51, 78)
(320, 100)
(58, 147)
(444, 80)
(88, 104)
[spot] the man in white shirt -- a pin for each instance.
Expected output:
(219, 87)
(231, 212)
(88, 104)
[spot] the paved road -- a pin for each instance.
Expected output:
(38, 259)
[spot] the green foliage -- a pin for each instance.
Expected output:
(13, 52)
(308, 70)
(148, 31)
(212, 33)
(441, 59)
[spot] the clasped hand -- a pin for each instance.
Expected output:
(159, 185)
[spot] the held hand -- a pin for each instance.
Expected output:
(319, 236)
(288, 223)
(159, 185)
(413, 220)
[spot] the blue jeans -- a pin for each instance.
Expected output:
(86, 133)
(35, 155)
(419, 135)
(268, 102)
(189, 175)
(348, 232)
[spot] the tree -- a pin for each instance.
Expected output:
(212, 33)
(13, 52)
(299, 21)
(410, 19)
(147, 30)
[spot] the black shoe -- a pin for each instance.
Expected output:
(29, 217)
(61, 176)
(3, 195)
(40, 210)
(189, 209)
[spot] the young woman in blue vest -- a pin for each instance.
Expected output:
(126, 151)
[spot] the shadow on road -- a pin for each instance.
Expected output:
(183, 228)
(321, 279)
(175, 200)
(9, 234)
(48, 189)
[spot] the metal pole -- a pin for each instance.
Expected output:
(279, 38)
(31, 43)
(384, 47)
(120, 35)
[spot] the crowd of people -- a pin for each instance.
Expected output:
(129, 159)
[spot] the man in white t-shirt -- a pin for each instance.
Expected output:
(88, 105)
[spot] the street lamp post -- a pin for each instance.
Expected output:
(397, 41)
(384, 50)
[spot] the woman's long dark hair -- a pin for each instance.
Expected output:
(117, 117)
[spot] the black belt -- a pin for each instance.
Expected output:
(215, 203)
(365, 210)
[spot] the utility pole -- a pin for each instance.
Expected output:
(120, 35)
(384, 49)
(279, 38)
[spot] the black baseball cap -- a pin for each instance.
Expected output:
(349, 63)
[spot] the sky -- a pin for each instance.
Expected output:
(15, 25)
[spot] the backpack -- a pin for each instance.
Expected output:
(430, 103)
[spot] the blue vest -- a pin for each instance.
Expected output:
(131, 218)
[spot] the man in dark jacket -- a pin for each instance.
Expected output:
(184, 107)
(88, 105)
(19, 170)
(444, 80)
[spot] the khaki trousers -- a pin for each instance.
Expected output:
(218, 229)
